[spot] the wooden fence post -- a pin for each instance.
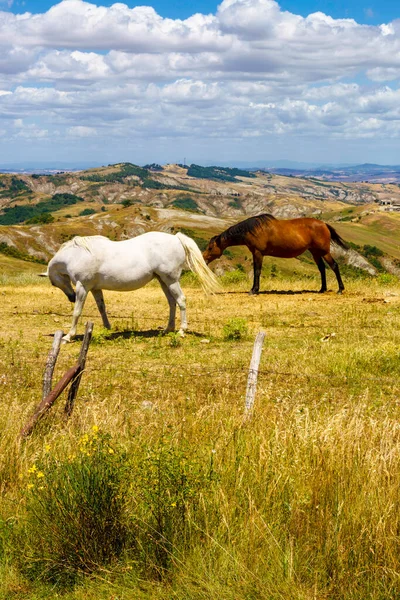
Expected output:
(73, 390)
(253, 373)
(74, 372)
(51, 363)
(49, 400)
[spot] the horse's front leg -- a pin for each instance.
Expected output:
(321, 267)
(257, 266)
(80, 297)
(99, 298)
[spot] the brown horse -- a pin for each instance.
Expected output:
(266, 236)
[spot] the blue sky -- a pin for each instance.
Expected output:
(243, 80)
(369, 12)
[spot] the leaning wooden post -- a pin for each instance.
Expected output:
(48, 402)
(253, 373)
(73, 390)
(74, 372)
(51, 363)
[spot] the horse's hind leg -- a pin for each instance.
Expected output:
(81, 294)
(175, 296)
(176, 291)
(98, 296)
(321, 267)
(172, 306)
(335, 268)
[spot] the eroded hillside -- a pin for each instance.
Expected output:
(38, 212)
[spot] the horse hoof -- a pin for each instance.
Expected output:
(340, 292)
(253, 293)
(168, 330)
(321, 291)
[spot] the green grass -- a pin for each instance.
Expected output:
(300, 502)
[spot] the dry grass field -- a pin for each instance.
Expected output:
(301, 502)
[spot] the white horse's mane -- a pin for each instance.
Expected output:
(82, 242)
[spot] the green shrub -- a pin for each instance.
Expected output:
(217, 173)
(167, 485)
(87, 211)
(41, 219)
(235, 329)
(372, 251)
(17, 186)
(235, 276)
(191, 279)
(387, 279)
(74, 520)
(186, 203)
(15, 253)
(175, 339)
(125, 170)
(236, 203)
(201, 242)
(18, 214)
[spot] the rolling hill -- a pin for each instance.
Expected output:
(38, 212)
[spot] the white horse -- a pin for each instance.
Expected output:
(95, 263)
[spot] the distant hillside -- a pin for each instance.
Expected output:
(356, 173)
(38, 212)
(214, 191)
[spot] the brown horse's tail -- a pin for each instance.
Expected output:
(335, 237)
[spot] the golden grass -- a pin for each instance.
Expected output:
(305, 503)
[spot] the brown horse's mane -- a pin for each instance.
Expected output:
(239, 230)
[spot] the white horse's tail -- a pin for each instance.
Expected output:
(197, 264)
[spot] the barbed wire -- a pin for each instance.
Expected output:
(196, 370)
(207, 371)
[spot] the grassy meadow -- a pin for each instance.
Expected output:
(156, 488)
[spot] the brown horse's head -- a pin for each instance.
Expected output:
(213, 249)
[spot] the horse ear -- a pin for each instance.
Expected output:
(216, 240)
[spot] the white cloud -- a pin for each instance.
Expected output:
(81, 131)
(249, 71)
(31, 132)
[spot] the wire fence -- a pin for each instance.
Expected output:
(187, 369)
(194, 370)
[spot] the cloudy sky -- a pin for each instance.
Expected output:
(244, 80)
